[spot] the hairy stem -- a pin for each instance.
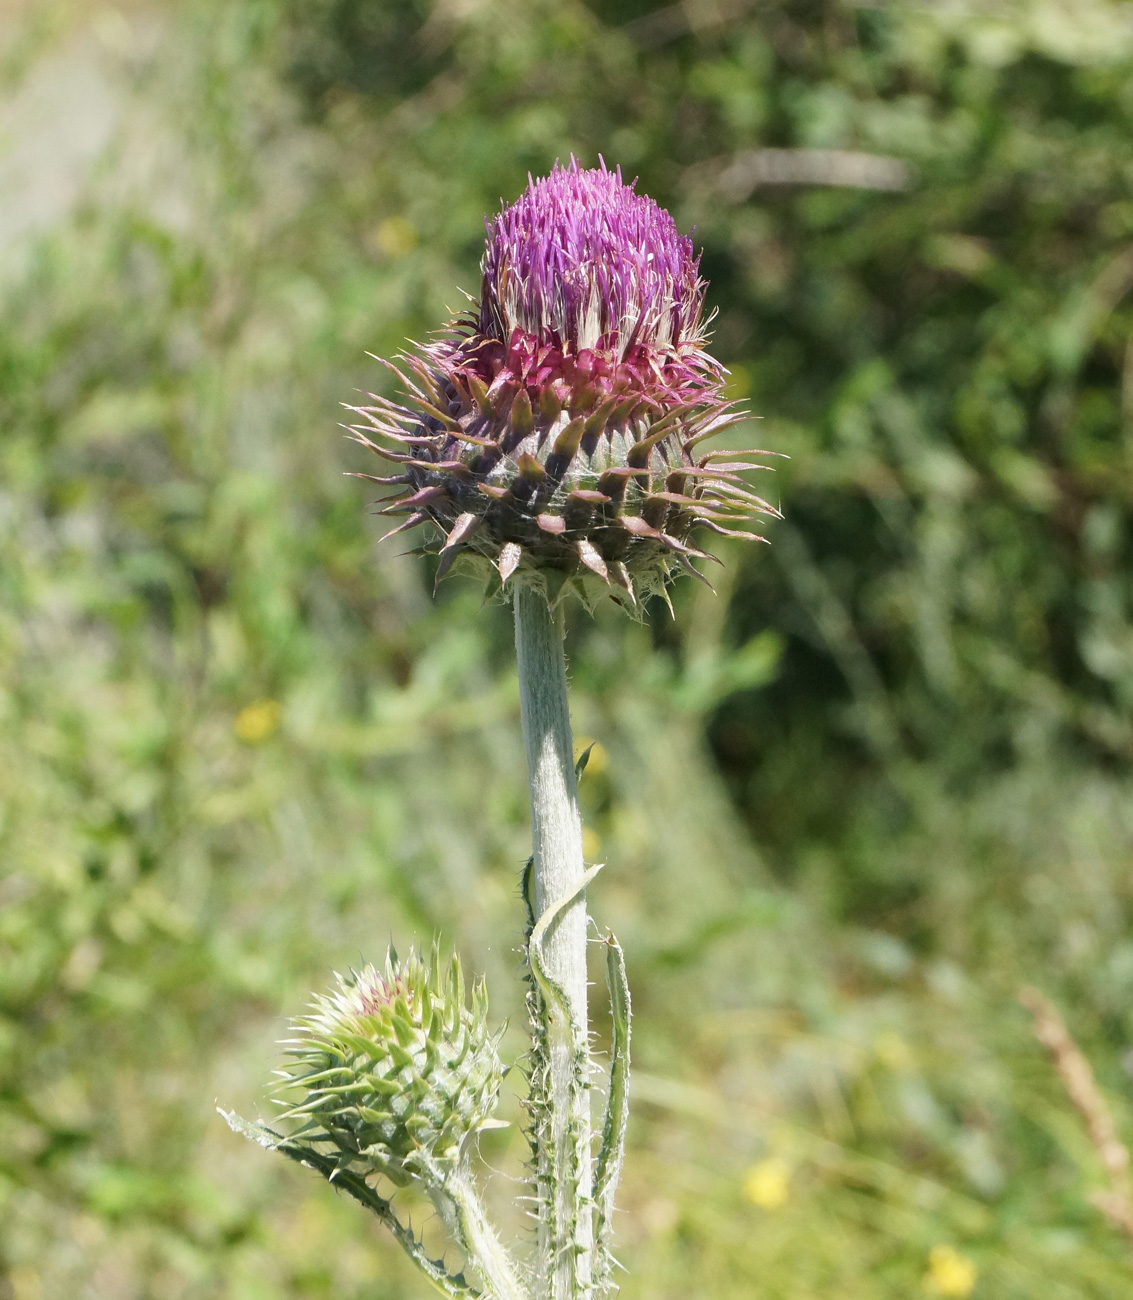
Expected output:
(473, 1230)
(563, 1167)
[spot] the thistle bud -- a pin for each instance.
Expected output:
(397, 1070)
(554, 432)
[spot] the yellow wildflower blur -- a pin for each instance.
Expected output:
(893, 1052)
(950, 1273)
(394, 237)
(25, 1283)
(768, 1183)
(256, 722)
(738, 385)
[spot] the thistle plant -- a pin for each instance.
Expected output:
(552, 441)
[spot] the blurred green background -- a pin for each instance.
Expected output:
(849, 805)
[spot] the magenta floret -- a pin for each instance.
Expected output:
(583, 261)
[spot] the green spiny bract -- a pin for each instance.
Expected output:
(555, 432)
(398, 1071)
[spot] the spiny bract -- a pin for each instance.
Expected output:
(396, 1069)
(554, 431)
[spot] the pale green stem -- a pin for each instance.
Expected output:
(483, 1249)
(566, 1227)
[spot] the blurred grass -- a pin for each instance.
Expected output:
(849, 806)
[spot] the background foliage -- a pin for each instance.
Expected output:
(849, 806)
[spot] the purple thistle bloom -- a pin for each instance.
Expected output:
(553, 430)
(583, 261)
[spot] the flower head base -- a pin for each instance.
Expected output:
(397, 1071)
(553, 433)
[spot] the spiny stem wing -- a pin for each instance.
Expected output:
(612, 1152)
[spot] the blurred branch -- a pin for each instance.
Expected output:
(688, 16)
(1077, 1077)
(420, 111)
(837, 635)
(1088, 309)
(737, 179)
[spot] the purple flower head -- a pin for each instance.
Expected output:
(555, 430)
(587, 285)
(582, 261)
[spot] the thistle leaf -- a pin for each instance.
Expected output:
(453, 1285)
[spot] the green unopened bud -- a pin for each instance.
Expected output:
(397, 1071)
